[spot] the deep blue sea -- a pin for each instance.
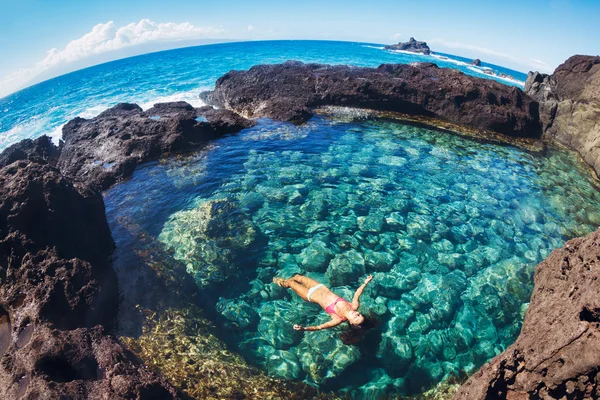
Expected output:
(180, 75)
(451, 228)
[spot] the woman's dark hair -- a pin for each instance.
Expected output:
(354, 333)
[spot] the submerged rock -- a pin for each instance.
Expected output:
(315, 257)
(345, 268)
(288, 91)
(324, 356)
(210, 238)
(396, 354)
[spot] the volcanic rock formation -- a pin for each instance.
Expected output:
(288, 92)
(570, 105)
(106, 149)
(58, 291)
(412, 45)
(557, 354)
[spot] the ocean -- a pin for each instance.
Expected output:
(180, 75)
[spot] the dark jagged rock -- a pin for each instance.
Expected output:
(476, 62)
(570, 105)
(40, 150)
(106, 149)
(288, 91)
(412, 45)
(58, 291)
(557, 354)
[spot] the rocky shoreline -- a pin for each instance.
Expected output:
(289, 91)
(556, 354)
(59, 293)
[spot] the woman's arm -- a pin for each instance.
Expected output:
(359, 291)
(326, 325)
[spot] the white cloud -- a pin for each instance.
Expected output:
(250, 28)
(529, 62)
(105, 38)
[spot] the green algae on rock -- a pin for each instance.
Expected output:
(210, 238)
(181, 345)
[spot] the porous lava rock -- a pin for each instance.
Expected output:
(58, 291)
(413, 46)
(288, 91)
(570, 105)
(106, 149)
(557, 354)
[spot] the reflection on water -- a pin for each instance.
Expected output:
(450, 228)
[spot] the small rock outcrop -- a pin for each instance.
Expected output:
(557, 354)
(106, 149)
(476, 62)
(288, 91)
(570, 105)
(58, 291)
(412, 45)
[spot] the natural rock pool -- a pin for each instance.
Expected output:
(450, 228)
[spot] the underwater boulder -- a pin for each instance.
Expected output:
(323, 355)
(370, 223)
(396, 353)
(284, 364)
(315, 257)
(379, 386)
(276, 326)
(239, 313)
(209, 239)
(345, 268)
(380, 260)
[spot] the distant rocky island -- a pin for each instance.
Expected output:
(412, 46)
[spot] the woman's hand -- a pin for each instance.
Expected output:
(298, 327)
(369, 279)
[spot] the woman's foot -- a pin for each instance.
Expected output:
(280, 282)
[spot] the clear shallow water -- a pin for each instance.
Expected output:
(180, 75)
(450, 228)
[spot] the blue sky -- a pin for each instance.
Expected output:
(524, 35)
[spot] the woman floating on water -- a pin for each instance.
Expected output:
(337, 307)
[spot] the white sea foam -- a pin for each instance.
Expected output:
(450, 60)
(408, 52)
(374, 47)
(56, 134)
(493, 75)
(40, 125)
(191, 97)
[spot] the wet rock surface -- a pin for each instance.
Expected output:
(58, 292)
(414, 46)
(557, 354)
(288, 91)
(570, 105)
(106, 149)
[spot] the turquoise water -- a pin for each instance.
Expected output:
(450, 228)
(180, 75)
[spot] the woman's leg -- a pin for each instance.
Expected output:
(305, 281)
(298, 283)
(299, 288)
